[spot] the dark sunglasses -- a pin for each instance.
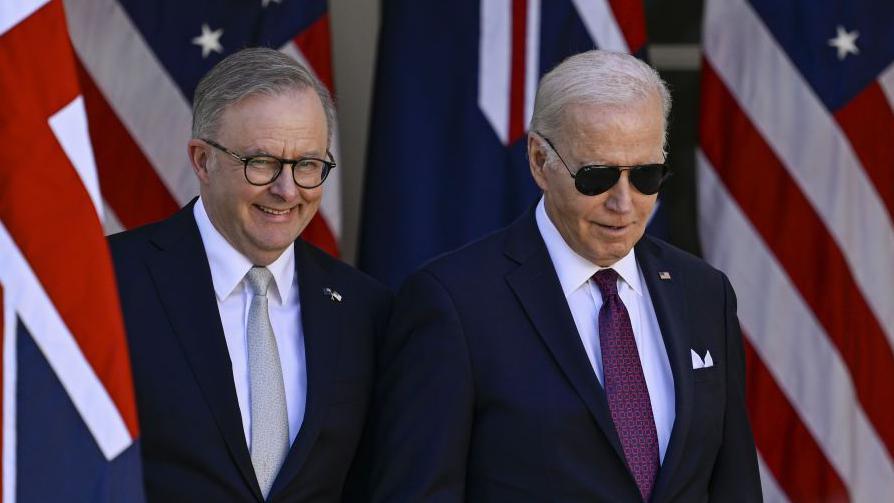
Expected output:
(596, 179)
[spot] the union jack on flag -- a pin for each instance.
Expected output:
(69, 424)
(124, 70)
(796, 197)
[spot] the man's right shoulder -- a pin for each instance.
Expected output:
(153, 236)
(134, 241)
(476, 261)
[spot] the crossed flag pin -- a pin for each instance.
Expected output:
(333, 295)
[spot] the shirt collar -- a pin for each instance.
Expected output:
(229, 266)
(573, 270)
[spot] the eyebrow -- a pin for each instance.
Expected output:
(255, 152)
(601, 165)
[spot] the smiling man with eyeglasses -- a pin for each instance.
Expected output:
(252, 350)
(570, 357)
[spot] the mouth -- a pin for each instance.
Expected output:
(613, 227)
(273, 211)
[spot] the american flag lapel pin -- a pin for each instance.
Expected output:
(664, 275)
(333, 295)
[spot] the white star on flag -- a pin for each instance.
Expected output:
(209, 40)
(846, 42)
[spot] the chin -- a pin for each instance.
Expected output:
(606, 258)
(301, 227)
(279, 245)
(273, 242)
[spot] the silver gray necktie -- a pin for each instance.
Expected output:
(269, 417)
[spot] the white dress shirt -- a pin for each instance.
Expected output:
(228, 270)
(585, 301)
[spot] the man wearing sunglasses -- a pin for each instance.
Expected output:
(570, 357)
(252, 350)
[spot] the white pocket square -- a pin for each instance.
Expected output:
(699, 363)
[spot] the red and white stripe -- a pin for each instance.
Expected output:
(509, 53)
(142, 121)
(508, 65)
(56, 275)
(796, 206)
(615, 25)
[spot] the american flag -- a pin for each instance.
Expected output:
(796, 196)
(139, 63)
(69, 424)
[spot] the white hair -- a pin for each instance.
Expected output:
(595, 77)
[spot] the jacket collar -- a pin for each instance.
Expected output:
(667, 286)
(538, 289)
(183, 278)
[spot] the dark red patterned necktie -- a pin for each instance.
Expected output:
(625, 386)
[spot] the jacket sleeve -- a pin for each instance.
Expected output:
(735, 476)
(423, 404)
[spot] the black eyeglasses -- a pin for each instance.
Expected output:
(595, 179)
(308, 172)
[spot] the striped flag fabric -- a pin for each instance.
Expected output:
(453, 98)
(69, 429)
(796, 198)
(139, 62)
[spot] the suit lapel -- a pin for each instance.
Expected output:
(669, 300)
(183, 279)
(538, 291)
(321, 323)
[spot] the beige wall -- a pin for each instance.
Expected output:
(355, 25)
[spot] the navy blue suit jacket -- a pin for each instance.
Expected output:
(193, 444)
(486, 392)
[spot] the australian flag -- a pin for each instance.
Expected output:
(454, 94)
(69, 427)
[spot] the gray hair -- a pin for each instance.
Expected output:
(595, 78)
(249, 72)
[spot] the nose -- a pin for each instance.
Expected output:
(620, 195)
(284, 185)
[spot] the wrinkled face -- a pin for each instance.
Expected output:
(601, 228)
(261, 222)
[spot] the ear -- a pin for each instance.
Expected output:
(537, 157)
(199, 157)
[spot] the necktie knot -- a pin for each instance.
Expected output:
(259, 280)
(607, 282)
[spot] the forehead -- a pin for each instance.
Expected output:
(289, 110)
(617, 134)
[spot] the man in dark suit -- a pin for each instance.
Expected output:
(252, 350)
(569, 357)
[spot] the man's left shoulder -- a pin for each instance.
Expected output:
(684, 263)
(341, 274)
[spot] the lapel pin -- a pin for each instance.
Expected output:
(332, 294)
(664, 275)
